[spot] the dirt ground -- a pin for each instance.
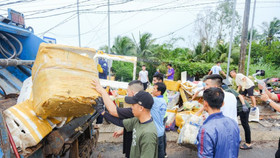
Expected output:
(265, 149)
(264, 134)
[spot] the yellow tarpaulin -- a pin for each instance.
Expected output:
(62, 81)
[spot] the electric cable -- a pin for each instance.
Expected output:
(19, 43)
(62, 22)
(16, 2)
(5, 52)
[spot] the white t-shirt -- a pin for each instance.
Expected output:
(216, 69)
(143, 76)
(230, 106)
(239, 82)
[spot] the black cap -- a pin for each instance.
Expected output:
(142, 98)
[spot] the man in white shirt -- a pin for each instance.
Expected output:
(229, 108)
(143, 77)
(246, 85)
(217, 69)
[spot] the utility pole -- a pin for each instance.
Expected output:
(251, 38)
(79, 34)
(109, 45)
(231, 35)
(241, 66)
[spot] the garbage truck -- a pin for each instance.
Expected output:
(18, 50)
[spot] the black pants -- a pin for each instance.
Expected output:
(145, 85)
(277, 154)
(164, 136)
(244, 117)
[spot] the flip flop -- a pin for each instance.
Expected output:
(245, 147)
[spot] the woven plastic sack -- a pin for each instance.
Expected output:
(254, 116)
(62, 79)
(190, 130)
(26, 128)
(172, 85)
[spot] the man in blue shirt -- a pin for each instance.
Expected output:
(219, 135)
(158, 112)
(217, 69)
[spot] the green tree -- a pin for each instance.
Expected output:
(104, 48)
(124, 46)
(271, 30)
(214, 25)
(256, 36)
(143, 47)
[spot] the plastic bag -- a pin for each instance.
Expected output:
(25, 91)
(170, 122)
(190, 130)
(173, 98)
(254, 116)
(181, 117)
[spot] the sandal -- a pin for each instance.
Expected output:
(245, 147)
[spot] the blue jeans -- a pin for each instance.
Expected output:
(161, 147)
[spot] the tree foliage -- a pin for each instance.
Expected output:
(265, 51)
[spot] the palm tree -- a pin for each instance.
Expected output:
(124, 46)
(104, 48)
(255, 35)
(145, 44)
(271, 29)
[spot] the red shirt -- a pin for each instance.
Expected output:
(278, 95)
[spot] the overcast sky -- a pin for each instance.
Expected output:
(163, 18)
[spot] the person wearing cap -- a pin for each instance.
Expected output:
(144, 139)
(123, 113)
(219, 135)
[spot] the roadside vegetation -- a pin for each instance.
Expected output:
(213, 30)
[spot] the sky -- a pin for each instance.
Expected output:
(164, 19)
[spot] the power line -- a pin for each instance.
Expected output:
(73, 5)
(17, 2)
(100, 24)
(62, 13)
(62, 22)
(120, 22)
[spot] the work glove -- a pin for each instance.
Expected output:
(245, 108)
(99, 106)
